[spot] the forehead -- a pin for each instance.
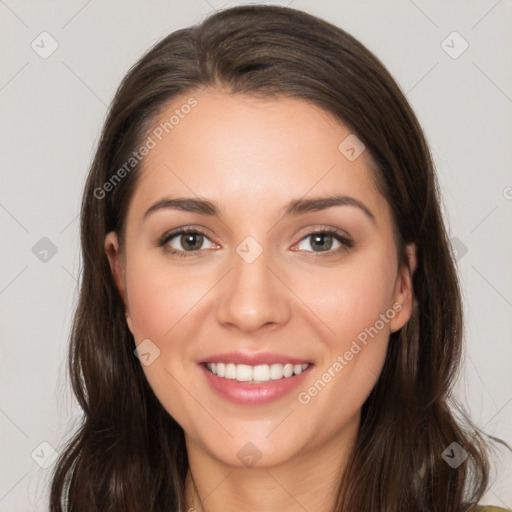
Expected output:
(254, 154)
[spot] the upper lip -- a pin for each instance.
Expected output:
(253, 359)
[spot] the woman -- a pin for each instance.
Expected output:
(269, 312)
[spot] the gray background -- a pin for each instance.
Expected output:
(53, 109)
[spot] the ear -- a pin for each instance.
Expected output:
(403, 299)
(117, 268)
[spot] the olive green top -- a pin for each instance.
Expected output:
(490, 509)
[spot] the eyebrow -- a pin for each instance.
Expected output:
(292, 209)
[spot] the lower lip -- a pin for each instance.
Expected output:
(254, 394)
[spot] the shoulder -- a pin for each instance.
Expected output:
(488, 508)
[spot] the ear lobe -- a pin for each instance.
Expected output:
(403, 301)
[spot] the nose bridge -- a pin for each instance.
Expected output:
(252, 296)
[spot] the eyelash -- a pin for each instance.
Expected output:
(346, 242)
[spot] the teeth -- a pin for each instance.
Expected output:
(243, 373)
(297, 369)
(230, 371)
(259, 373)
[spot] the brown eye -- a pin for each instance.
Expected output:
(184, 241)
(191, 241)
(323, 241)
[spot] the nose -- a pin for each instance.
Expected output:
(251, 297)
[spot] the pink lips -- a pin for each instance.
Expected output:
(245, 393)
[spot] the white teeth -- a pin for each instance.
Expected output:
(288, 370)
(276, 371)
(230, 371)
(259, 373)
(243, 372)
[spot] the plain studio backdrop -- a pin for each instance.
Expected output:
(61, 63)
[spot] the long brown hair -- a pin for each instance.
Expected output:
(129, 454)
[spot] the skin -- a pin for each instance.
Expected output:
(252, 156)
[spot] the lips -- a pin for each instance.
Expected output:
(253, 393)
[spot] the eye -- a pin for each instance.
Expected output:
(184, 241)
(323, 241)
(189, 242)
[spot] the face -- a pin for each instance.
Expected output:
(263, 276)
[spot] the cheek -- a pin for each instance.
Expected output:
(167, 306)
(159, 297)
(161, 302)
(350, 298)
(353, 308)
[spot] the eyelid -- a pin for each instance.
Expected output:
(324, 228)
